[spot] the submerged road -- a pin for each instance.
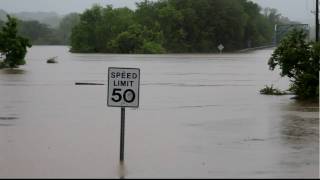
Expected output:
(200, 116)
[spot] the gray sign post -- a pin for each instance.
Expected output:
(123, 91)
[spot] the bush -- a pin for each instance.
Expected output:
(126, 42)
(12, 46)
(298, 60)
(269, 90)
(152, 48)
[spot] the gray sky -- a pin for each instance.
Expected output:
(298, 10)
(59, 6)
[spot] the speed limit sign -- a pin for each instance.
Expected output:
(123, 87)
(123, 91)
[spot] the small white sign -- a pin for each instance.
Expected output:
(2, 56)
(220, 47)
(123, 87)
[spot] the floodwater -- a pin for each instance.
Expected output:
(200, 116)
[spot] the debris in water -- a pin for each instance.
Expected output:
(52, 60)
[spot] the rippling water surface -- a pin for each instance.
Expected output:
(200, 116)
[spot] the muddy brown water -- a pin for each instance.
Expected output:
(200, 116)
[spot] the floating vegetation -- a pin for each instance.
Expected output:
(270, 90)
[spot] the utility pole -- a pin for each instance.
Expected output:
(317, 20)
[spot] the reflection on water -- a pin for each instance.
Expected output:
(122, 170)
(201, 116)
(297, 129)
(299, 132)
(302, 106)
(301, 124)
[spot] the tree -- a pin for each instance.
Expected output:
(36, 32)
(66, 25)
(137, 39)
(298, 60)
(12, 46)
(177, 26)
(98, 26)
(128, 42)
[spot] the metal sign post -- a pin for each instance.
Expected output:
(123, 91)
(123, 117)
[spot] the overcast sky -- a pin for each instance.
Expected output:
(298, 10)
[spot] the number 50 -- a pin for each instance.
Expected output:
(128, 95)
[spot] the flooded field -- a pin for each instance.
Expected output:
(200, 116)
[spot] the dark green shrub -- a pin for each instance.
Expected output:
(12, 46)
(298, 60)
(269, 90)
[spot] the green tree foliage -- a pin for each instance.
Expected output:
(136, 39)
(298, 60)
(12, 46)
(66, 25)
(270, 90)
(42, 34)
(1, 24)
(258, 29)
(174, 26)
(38, 33)
(98, 26)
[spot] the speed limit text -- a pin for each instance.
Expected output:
(119, 76)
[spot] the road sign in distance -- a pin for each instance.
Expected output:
(220, 47)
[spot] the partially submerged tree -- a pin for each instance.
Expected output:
(298, 60)
(12, 46)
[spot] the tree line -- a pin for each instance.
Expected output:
(175, 26)
(42, 34)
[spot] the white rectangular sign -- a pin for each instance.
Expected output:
(123, 87)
